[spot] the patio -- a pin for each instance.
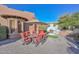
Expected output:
(51, 46)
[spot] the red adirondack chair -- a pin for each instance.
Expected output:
(26, 38)
(39, 37)
(42, 33)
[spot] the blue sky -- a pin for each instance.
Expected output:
(47, 12)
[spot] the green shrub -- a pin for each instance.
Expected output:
(42, 27)
(52, 36)
(3, 32)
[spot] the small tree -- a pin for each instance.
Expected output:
(69, 21)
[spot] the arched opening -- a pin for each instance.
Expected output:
(19, 26)
(15, 23)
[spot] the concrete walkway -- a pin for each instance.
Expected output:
(51, 46)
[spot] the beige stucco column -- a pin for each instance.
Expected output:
(22, 28)
(37, 28)
(16, 25)
(9, 26)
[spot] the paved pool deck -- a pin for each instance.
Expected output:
(51, 46)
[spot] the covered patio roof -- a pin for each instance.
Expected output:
(4, 10)
(35, 21)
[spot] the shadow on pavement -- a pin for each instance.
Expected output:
(70, 38)
(43, 41)
(7, 41)
(73, 50)
(73, 44)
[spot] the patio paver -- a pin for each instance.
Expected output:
(57, 46)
